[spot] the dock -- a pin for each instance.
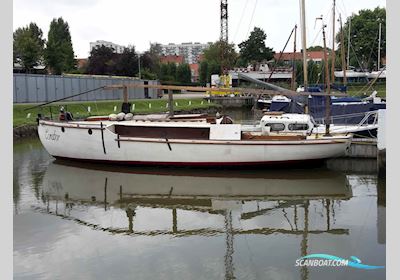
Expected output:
(363, 148)
(365, 154)
(233, 101)
(361, 157)
(381, 157)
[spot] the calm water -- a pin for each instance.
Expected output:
(97, 222)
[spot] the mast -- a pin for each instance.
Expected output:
(333, 43)
(328, 85)
(304, 43)
(348, 44)
(281, 53)
(342, 52)
(379, 46)
(294, 60)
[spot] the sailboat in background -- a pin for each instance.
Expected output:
(342, 111)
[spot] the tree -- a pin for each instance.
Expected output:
(151, 59)
(316, 72)
(147, 74)
(28, 46)
(253, 50)
(364, 31)
(315, 48)
(221, 53)
(217, 55)
(59, 54)
(102, 61)
(183, 74)
(241, 62)
(207, 69)
(155, 50)
(203, 72)
(126, 64)
(151, 62)
(168, 72)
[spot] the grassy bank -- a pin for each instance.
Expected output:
(358, 90)
(80, 109)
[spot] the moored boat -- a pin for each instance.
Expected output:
(180, 142)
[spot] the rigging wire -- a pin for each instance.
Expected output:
(240, 21)
(317, 36)
(344, 9)
(251, 19)
(355, 55)
(372, 49)
(64, 98)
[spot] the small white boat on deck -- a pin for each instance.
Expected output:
(186, 141)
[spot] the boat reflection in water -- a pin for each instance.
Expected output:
(246, 201)
(188, 188)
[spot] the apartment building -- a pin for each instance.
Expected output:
(190, 51)
(117, 48)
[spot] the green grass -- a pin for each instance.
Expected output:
(99, 108)
(358, 90)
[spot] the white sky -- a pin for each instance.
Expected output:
(133, 22)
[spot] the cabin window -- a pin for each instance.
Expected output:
(90, 131)
(276, 126)
(163, 132)
(298, 126)
(62, 129)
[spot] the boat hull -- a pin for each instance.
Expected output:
(102, 145)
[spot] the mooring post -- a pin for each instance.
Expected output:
(170, 103)
(125, 94)
(174, 221)
(126, 106)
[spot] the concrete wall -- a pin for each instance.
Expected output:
(233, 102)
(30, 88)
(362, 149)
(381, 144)
(381, 129)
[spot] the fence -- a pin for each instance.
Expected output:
(30, 88)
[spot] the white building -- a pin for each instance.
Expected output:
(190, 51)
(117, 48)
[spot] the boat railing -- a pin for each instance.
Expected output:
(369, 118)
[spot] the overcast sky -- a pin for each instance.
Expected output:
(134, 22)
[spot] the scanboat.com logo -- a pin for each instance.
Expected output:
(330, 260)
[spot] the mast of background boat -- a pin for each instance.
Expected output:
(379, 46)
(342, 53)
(328, 84)
(348, 44)
(294, 59)
(333, 43)
(304, 44)
(280, 55)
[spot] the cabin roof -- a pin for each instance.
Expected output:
(287, 117)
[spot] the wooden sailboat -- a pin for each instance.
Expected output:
(191, 142)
